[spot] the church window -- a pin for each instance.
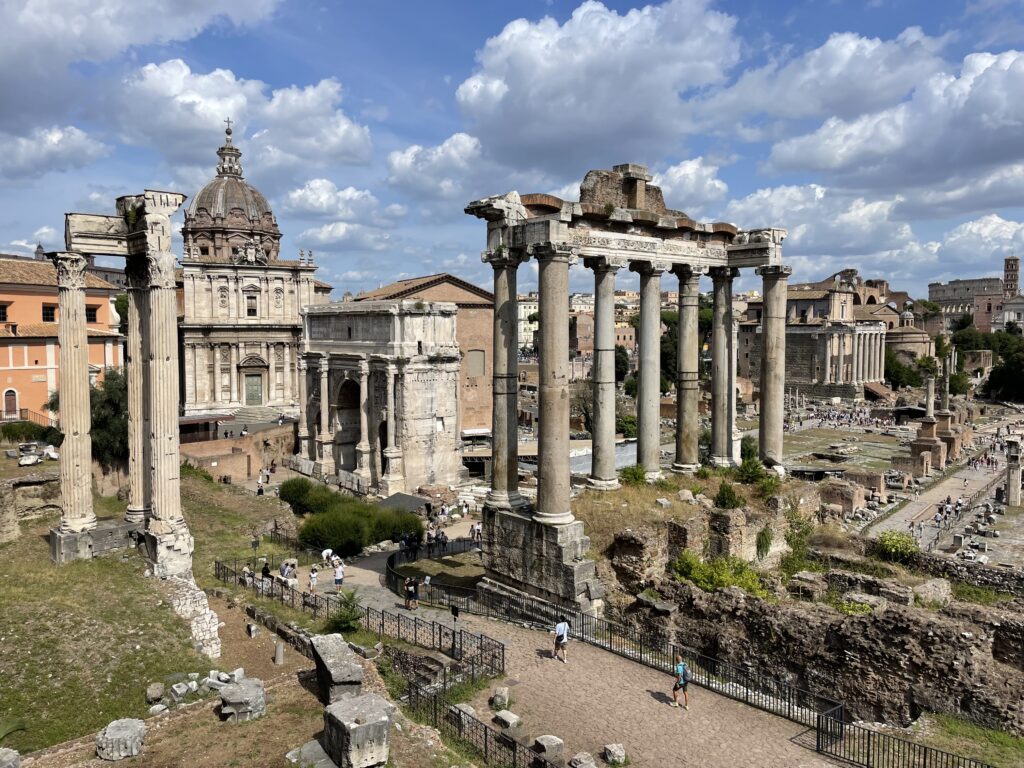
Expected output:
(250, 306)
(234, 251)
(204, 250)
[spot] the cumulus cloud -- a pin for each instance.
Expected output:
(321, 198)
(567, 95)
(438, 171)
(691, 185)
(294, 129)
(57, 148)
(953, 125)
(344, 236)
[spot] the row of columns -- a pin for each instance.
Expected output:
(868, 356)
(553, 449)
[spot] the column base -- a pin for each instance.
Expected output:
(66, 546)
(78, 525)
(514, 503)
(684, 469)
(169, 548)
(136, 515)
(597, 484)
(561, 518)
(723, 461)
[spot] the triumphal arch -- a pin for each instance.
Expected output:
(620, 222)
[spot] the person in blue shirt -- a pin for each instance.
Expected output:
(682, 675)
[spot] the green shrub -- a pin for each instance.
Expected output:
(625, 424)
(764, 542)
(769, 485)
(727, 498)
(797, 537)
(320, 498)
(191, 470)
(717, 573)
(751, 470)
(969, 593)
(702, 473)
(294, 492)
(635, 475)
(346, 618)
(748, 447)
(344, 532)
(897, 546)
(21, 431)
(852, 609)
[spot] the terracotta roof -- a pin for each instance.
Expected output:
(15, 271)
(804, 293)
(322, 284)
(402, 288)
(45, 331)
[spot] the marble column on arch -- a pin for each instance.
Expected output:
(688, 371)
(137, 369)
(77, 515)
(602, 469)
(504, 492)
(721, 331)
(553, 487)
(648, 400)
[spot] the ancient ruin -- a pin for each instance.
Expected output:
(620, 221)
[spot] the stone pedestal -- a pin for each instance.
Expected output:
(357, 731)
(243, 700)
(543, 560)
(106, 536)
(338, 671)
(121, 739)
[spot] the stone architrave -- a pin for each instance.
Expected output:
(773, 364)
(504, 493)
(602, 473)
(75, 414)
(553, 447)
(648, 400)
(688, 372)
(139, 447)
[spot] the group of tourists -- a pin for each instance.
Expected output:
(436, 537)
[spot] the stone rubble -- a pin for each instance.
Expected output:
(154, 692)
(615, 754)
(338, 671)
(582, 760)
(357, 731)
(550, 747)
(9, 758)
(500, 698)
(243, 700)
(507, 719)
(121, 739)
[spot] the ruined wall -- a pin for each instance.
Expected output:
(887, 666)
(242, 457)
(25, 497)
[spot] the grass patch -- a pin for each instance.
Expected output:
(717, 573)
(968, 593)
(960, 737)
(462, 570)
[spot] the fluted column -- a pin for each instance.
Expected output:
(773, 363)
(721, 329)
(326, 430)
(687, 371)
(140, 488)
(504, 493)
(602, 469)
(648, 397)
(826, 357)
(286, 373)
(363, 446)
(304, 447)
(553, 450)
(75, 415)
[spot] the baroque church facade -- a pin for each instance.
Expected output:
(240, 326)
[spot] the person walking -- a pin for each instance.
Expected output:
(682, 675)
(339, 575)
(312, 580)
(408, 590)
(561, 639)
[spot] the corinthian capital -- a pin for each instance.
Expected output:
(71, 269)
(555, 252)
(160, 265)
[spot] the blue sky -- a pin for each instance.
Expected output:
(884, 134)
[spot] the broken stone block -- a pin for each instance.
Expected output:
(582, 760)
(224, 677)
(193, 675)
(9, 758)
(158, 709)
(615, 754)
(238, 674)
(663, 503)
(179, 691)
(154, 692)
(460, 714)
(499, 699)
(507, 719)
(685, 495)
(934, 591)
(192, 685)
(551, 747)
(807, 585)
(338, 671)
(874, 602)
(357, 731)
(120, 739)
(214, 685)
(244, 700)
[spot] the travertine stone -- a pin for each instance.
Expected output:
(357, 731)
(243, 700)
(121, 739)
(582, 760)
(615, 754)
(687, 366)
(550, 747)
(773, 364)
(721, 437)
(9, 758)
(648, 401)
(602, 472)
(499, 699)
(338, 671)
(507, 719)
(139, 446)
(76, 450)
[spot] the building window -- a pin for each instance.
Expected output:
(90, 314)
(3, 313)
(250, 306)
(49, 314)
(204, 250)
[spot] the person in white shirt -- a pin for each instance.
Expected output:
(339, 574)
(561, 639)
(325, 556)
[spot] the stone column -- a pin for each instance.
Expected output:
(773, 363)
(945, 384)
(363, 446)
(602, 469)
(139, 447)
(687, 372)
(721, 431)
(304, 447)
(879, 354)
(504, 493)
(326, 437)
(77, 514)
(286, 373)
(1013, 473)
(826, 356)
(929, 404)
(233, 374)
(553, 450)
(391, 408)
(648, 398)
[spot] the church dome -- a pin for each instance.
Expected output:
(225, 193)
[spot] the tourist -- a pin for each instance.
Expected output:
(414, 586)
(407, 593)
(325, 556)
(455, 613)
(561, 639)
(246, 576)
(682, 677)
(259, 489)
(339, 574)
(442, 541)
(245, 430)
(312, 580)
(430, 540)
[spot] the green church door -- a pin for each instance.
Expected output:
(253, 389)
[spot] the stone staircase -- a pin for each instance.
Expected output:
(257, 414)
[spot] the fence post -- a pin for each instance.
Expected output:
(867, 758)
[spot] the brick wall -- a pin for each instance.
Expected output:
(242, 457)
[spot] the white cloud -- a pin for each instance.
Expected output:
(321, 198)
(438, 171)
(952, 125)
(845, 77)
(564, 96)
(293, 129)
(988, 239)
(691, 185)
(58, 148)
(346, 236)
